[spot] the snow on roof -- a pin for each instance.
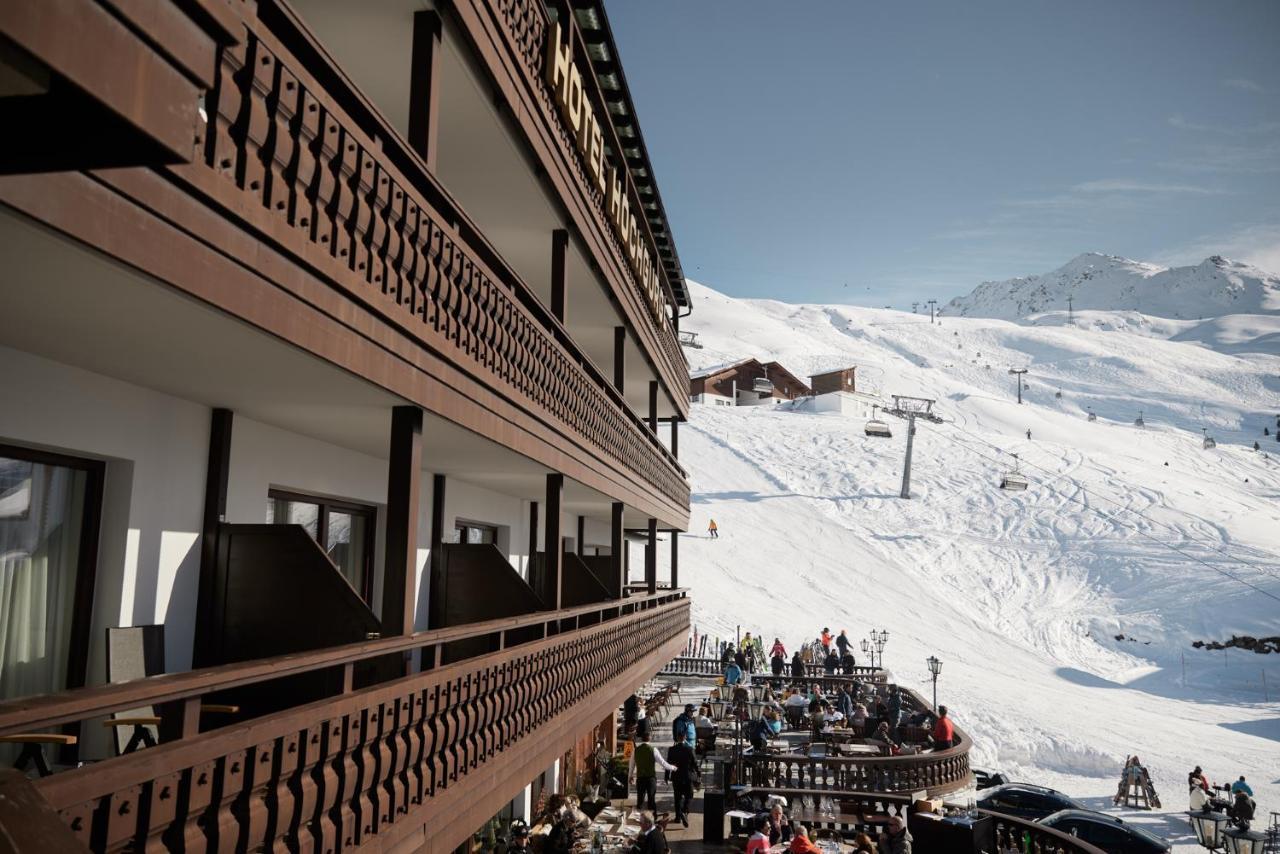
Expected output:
(716, 369)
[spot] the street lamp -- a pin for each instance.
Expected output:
(866, 648)
(1244, 841)
(935, 667)
(878, 640)
(1208, 827)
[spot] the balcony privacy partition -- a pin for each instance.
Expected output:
(427, 756)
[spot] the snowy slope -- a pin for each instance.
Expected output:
(1215, 287)
(1021, 595)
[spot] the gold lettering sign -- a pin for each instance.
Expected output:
(614, 184)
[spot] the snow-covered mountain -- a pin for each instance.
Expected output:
(1065, 615)
(1215, 287)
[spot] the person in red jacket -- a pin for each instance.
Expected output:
(944, 734)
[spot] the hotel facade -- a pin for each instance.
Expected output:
(340, 380)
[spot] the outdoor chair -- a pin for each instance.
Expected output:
(136, 652)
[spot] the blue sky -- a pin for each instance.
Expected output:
(883, 152)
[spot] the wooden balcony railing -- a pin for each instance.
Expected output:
(296, 151)
(940, 772)
(380, 761)
(1013, 835)
(525, 24)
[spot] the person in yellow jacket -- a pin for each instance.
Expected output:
(713, 530)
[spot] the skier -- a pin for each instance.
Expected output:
(777, 657)
(1028, 432)
(712, 530)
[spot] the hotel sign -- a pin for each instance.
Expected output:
(614, 184)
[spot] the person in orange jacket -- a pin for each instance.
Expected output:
(800, 843)
(944, 734)
(713, 530)
(826, 639)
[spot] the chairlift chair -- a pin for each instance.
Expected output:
(1093, 416)
(1058, 394)
(1208, 440)
(876, 427)
(1138, 422)
(1013, 479)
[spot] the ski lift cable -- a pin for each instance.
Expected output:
(1121, 522)
(1204, 543)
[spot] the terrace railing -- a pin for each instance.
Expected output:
(377, 762)
(693, 666)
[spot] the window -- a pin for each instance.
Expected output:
(50, 507)
(344, 530)
(474, 533)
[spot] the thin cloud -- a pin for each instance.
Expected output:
(1183, 123)
(1257, 244)
(1244, 85)
(1121, 185)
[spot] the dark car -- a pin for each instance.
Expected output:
(1106, 832)
(1023, 800)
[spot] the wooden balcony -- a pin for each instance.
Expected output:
(305, 214)
(421, 760)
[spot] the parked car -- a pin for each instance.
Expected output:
(986, 779)
(1024, 800)
(1106, 832)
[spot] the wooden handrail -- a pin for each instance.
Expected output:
(48, 710)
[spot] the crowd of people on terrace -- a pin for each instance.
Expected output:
(1235, 800)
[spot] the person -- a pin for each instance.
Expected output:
(651, 839)
(844, 703)
(1241, 786)
(1242, 811)
(1028, 432)
(763, 729)
(883, 738)
(944, 734)
(682, 723)
(848, 663)
(800, 843)
(704, 717)
(797, 667)
(779, 827)
(681, 756)
(751, 657)
(842, 641)
(1199, 799)
(830, 663)
(826, 639)
(519, 843)
(631, 711)
(896, 839)
(726, 654)
(732, 674)
(894, 711)
(777, 658)
(1197, 778)
(643, 725)
(859, 716)
(758, 843)
(643, 769)
(863, 844)
(740, 659)
(560, 838)
(817, 719)
(713, 530)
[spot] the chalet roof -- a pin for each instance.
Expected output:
(833, 371)
(722, 368)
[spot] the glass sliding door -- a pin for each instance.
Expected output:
(49, 510)
(344, 530)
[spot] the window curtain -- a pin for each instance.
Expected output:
(41, 515)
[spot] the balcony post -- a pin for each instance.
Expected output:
(619, 358)
(651, 558)
(215, 512)
(675, 558)
(653, 405)
(424, 86)
(435, 565)
(582, 535)
(559, 276)
(533, 547)
(617, 547)
(404, 470)
(675, 437)
(551, 543)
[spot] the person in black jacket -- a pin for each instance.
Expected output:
(797, 667)
(651, 839)
(830, 663)
(681, 755)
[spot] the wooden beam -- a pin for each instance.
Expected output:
(582, 535)
(620, 358)
(651, 558)
(436, 560)
(618, 546)
(533, 543)
(675, 559)
(653, 405)
(675, 438)
(554, 549)
(424, 86)
(217, 471)
(559, 276)
(399, 573)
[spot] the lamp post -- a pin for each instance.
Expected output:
(866, 648)
(935, 667)
(878, 640)
(1244, 841)
(1208, 827)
